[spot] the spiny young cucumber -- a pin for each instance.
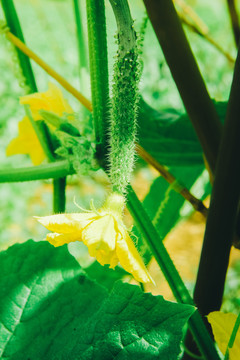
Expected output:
(124, 101)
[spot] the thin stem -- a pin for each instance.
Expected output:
(189, 11)
(234, 20)
(171, 274)
(80, 36)
(59, 185)
(53, 170)
(187, 76)
(232, 337)
(193, 356)
(40, 134)
(59, 195)
(97, 42)
(14, 25)
(207, 37)
(126, 33)
(196, 203)
(82, 54)
(18, 43)
(158, 249)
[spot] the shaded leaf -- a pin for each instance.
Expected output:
(169, 135)
(166, 207)
(104, 275)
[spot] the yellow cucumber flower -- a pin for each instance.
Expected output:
(104, 234)
(50, 100)
(27, 142)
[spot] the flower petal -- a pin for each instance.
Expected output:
(66, 223)
(60, 239)
(50, 100)
(100, 234)
(26, 143)
(105, 258)
(130, 259)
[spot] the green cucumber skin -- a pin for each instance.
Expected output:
(123, 118)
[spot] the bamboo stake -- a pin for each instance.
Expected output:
(20, 45)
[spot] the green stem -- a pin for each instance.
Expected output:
(171, 274)
(80, 36)
(59, 195)
(40, 134)
(44, 137)
(53, 170)
(59, 185)
(160, 253)
(82, 55)
(15, 28)
(126, 33)
(187, 76)
(232, 337)
(97, 40)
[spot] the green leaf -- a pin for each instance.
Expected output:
(166, 207)
(104, 275)
(132, 325)
(169, 135)
(38, 288)
(51, 310)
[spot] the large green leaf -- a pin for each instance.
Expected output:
(169, 135)
(50, 310)
(42, 290)
(131, 325)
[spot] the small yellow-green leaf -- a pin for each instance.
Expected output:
(222, 326)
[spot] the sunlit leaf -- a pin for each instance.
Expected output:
(50, 310)
(222, 326)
